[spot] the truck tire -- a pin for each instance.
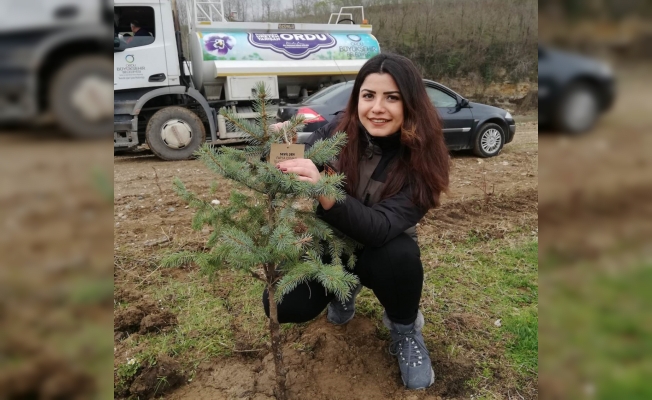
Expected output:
(175, 133)
(81, 97)
(489, 140)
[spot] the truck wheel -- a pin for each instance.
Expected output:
(489, 140)
(81, 97)
(175, 133)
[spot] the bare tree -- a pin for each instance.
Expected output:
(267, 8)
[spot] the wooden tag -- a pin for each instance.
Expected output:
(281, 152)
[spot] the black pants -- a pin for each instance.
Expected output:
(393, 271)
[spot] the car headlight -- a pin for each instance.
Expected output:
(508, 116)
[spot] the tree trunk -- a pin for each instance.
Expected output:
(277, 350)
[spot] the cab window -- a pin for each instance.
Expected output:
(134, 25)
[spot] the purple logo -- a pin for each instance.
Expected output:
(219, 44)
(293, 45)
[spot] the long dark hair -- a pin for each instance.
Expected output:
(423, 162)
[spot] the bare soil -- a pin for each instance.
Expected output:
(595, 188)
(55, 266)
(489, 196)
(141, 316)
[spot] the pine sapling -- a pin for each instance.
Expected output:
(261, 230)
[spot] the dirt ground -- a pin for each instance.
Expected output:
(149, 214)
(55, 266)
(596, 188)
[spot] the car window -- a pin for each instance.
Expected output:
(134, 25)
(326, 94)
(344, 97)
(439, 98)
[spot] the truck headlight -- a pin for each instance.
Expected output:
(508, 116)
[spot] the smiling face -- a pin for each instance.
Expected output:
(380, 105)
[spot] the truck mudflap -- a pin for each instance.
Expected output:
(17, 98)
(125, 132)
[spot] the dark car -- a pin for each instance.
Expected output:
(482, 128)
(573, 90)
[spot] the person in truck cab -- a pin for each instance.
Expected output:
(396, 166)
(141, 36)
(138, 29)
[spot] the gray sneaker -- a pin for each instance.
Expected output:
(340, 313)
(410, 349)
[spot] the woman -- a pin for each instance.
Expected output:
(396, 165)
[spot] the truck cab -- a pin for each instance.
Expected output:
(146, 54)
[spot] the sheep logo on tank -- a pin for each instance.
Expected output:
(296, 46)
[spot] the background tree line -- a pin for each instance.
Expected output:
(493, 39)
(597, 9)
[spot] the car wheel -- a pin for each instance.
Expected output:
(578, 109)
(489, 140)
(175, 133)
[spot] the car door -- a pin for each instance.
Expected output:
(458, 121)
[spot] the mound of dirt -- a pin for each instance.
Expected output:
(158, 379)
(144, 316)
(121, 295)
(333, 362)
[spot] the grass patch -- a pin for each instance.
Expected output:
(203, 328)
(523, 346)
(215, 318)
(468, 287)
(599, 328)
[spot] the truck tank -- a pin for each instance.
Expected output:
(294, 60)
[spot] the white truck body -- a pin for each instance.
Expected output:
(24, 15)
(226, 60)
(53, 62)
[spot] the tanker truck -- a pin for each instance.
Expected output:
(173, 104)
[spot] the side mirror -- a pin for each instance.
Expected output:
(118, 45)
(464, 103)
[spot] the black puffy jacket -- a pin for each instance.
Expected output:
(365, 217)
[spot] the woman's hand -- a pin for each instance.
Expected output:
(304, 168)
(279, 125)
(306, 171)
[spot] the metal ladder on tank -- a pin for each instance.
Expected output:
(347, 16)
(208, 11)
